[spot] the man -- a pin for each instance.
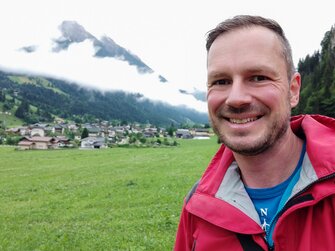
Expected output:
(271, 185)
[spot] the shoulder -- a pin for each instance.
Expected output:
(191, 192)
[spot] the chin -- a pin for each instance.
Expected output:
(246, 147)
(250, 151)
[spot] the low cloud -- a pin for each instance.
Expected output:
(78, 64)
(29, 49)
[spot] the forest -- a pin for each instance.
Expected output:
(38, 99)
(318, 79)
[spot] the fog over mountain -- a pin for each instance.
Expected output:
(75, 54)
(72, 32)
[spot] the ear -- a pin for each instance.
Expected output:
(295, 85)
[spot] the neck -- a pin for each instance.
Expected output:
(273, 166)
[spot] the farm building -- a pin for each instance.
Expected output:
(37, 142)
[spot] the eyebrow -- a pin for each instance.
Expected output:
(263, 69)
(217, 74)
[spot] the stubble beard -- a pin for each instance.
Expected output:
(273, 133)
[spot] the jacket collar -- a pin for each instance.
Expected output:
(319, 132)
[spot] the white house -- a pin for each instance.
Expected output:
(93, 143)
(37, 131)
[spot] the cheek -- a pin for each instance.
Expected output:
(270, 99)
(274, 99)
(214, 100)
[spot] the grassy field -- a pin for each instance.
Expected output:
(113, 199)
(9, 120)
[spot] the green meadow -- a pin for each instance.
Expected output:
(112, 199)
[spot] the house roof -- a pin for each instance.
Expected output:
(93, 129)
(202, 130)
(94, 139)
(14, 129)
(25, 143)
(39, 139)
(39, 125)
(62, 138)
(183, 130)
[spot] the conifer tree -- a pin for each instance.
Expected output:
(84, 133)
(23, 110)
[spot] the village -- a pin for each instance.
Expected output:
(43, 136)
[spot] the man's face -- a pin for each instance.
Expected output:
(249, 95)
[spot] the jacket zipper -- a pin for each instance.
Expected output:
(282, 211)
(194, 244)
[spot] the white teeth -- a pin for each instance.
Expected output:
(242, 121)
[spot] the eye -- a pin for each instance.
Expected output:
(220, 82)
(259, 78)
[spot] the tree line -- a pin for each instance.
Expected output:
(318, 79)
(33, 102)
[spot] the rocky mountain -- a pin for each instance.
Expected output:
(72, 32)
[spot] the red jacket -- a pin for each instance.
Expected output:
(219, 215)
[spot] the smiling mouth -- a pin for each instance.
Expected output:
(242, 121)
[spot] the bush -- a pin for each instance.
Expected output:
(12, 140)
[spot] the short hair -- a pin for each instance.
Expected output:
(247, 21)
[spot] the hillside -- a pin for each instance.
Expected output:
(33, 99)
(318, 79)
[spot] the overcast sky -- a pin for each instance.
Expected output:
(169, 36)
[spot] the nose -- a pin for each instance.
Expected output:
(238, 95)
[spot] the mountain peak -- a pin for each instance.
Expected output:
(72, 32)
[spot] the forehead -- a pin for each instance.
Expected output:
(253, 44)
(253, 33)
